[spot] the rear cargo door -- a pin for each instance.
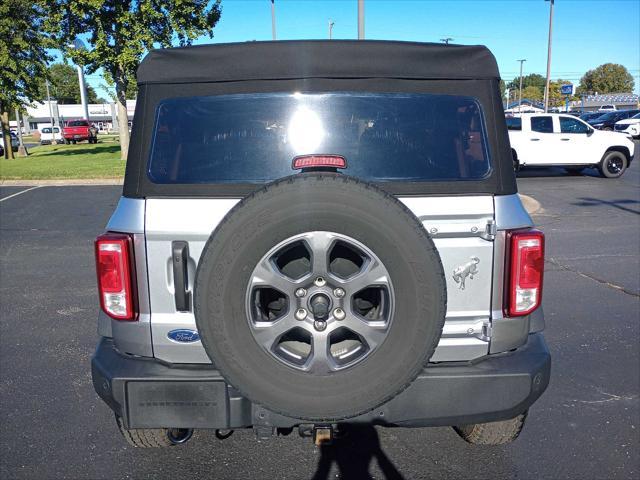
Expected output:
(177, 230)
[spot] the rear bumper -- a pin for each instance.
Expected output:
(149, 394)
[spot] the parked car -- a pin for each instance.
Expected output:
(325, 244)
(591, 115)
(607, 108)
(47, 134)
(630, 126)
(608, 120)
(545, 140)
(15, 142)
(78, 131)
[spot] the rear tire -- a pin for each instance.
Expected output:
(613, 164)
(516, 163)
(300, 205)
(153, 437)
(492, 433)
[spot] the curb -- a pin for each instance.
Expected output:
(61, 183)
(531, 205)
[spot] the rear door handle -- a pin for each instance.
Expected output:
(565, 139)
(180, 259)
(535, 139)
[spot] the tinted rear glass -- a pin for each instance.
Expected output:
(542, 124)
(77, 123)
(514, 123)
(253, 138)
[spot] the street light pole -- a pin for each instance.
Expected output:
(546, 87)
(79, 45)
(520, 94)
(273, 20)
(83, 92)
(53, 132)
(331, 29)
(360, 19)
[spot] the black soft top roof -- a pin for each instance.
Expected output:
(283, 60)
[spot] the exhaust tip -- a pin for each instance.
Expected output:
(178, 436)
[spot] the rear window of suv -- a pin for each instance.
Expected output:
(253, 138)
(514, 123)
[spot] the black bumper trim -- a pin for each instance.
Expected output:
(149, 394)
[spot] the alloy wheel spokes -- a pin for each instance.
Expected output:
(320, 302)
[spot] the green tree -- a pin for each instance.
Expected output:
(532, 93)
(119, 32)
(607, 78)
(531, 80)
(23, 57)
(109, 87)
(64, 86)
(503, 88)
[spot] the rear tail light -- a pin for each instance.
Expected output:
(314, 161)
(525, 271)
(114, 265)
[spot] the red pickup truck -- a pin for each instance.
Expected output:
(79, 130)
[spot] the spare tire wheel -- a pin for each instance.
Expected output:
(320, 297)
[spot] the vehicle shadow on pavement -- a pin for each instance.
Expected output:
(592, 202)
(353, 453)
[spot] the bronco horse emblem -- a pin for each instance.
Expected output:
(469, 269)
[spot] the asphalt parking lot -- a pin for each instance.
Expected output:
(587, 425)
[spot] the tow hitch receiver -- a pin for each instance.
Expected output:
(322, 435)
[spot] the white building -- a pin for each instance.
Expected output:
(526, 106)
(103, 115)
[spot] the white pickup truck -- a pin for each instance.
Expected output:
(545, 140)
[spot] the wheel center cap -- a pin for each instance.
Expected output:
(320, 305)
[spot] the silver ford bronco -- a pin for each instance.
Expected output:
(317, 234)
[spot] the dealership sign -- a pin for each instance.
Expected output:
(567, 89)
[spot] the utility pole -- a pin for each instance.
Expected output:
(273, 20)
(53, 133)
(520, 94)
(331, 23)
(546, 87)
(446, 40)
(22, 152)
(360, 19)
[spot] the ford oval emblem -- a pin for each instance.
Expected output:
(184, 335)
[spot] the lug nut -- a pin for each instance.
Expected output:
(301, 314)
(320, 325)
(320, 282)
(301, 292)
(339, 314)
(338, 292)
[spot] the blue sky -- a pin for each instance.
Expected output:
(587, 33)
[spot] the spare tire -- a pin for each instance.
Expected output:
(320, 297)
